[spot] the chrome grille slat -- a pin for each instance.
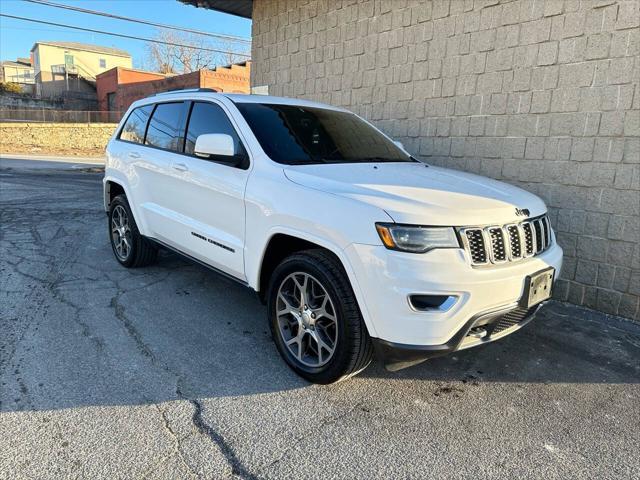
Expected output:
(539, 237)
(547, 225)
(529, 239)
(497, 244)
(473, 239)
(515, 241)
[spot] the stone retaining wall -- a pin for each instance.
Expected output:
(55, 138)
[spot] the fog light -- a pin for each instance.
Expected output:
(425, 303)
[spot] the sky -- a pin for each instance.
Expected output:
(17, 37)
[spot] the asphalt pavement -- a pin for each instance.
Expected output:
(169, 372)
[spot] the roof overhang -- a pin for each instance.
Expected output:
(241, 8)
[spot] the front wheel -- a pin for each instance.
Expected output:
(315, 320)
(130, 248)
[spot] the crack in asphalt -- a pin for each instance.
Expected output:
(130, 328)
(237, 467)
(49, 285)
(176, 440)
(54, 268)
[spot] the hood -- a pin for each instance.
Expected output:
(415, 193)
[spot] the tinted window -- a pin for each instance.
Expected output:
(136, 124)
(301, 135)
(209, 118)
(166, 127)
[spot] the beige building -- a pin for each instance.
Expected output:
(20, 72)
(540, 94)
(69, 69)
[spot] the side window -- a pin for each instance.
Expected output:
(210, 118)
(166, 126)
(136, 124)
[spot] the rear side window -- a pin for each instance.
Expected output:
(209, 118)
(166, 127)
(136, 124)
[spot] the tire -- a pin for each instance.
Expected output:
(139, 251)
(299, 332)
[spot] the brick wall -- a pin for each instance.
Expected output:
(107, 83)
(129, 85)
(542, 94)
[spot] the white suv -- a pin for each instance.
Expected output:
(354, 245)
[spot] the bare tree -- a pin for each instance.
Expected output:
(230, 58)
(185, 52)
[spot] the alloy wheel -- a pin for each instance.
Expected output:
(307, 320)
(121, 232)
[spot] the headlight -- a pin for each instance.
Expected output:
(410, 238)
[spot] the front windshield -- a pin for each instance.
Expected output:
(296, 135)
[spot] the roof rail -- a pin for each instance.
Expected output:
(185, 90)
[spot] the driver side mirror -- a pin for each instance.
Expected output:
(214, 144)
(220, 148)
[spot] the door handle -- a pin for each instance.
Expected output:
(134, 155)
(181, 167)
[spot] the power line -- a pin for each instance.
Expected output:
(135, 20)
(206, 49)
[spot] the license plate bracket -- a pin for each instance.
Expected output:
(538, 287)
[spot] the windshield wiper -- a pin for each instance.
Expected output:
(382, 159)
(306, 162)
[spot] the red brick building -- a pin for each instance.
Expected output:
(120, 87)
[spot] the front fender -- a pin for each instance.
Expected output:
(120, 179)
(254, 267)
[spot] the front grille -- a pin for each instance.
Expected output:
(501, 243)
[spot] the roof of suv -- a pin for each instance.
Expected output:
(237, 98)
(241, 98)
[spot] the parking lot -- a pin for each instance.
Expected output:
(169, 372)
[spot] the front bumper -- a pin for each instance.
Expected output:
(386, 279)
(495, 324)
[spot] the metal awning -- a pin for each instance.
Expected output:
(242, 8)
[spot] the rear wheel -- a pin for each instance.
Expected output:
(315, 319)
(130, 248)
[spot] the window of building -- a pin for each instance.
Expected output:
(111, 101)
(210, 118)
(103, 63)
(166, 127)
(136, 124)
